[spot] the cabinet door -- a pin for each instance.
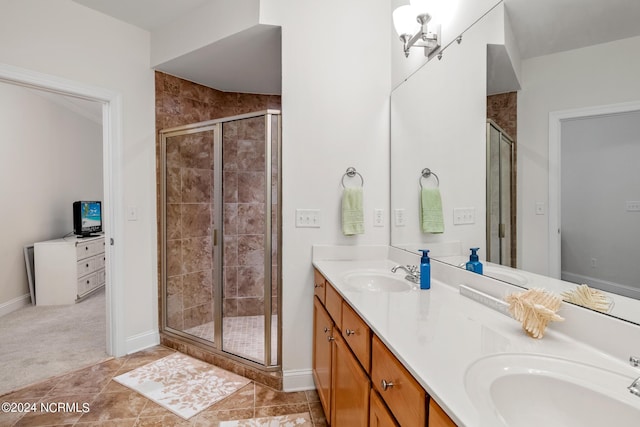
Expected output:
(437, 416)
(379, 415)
(323, 332)
(351, 388)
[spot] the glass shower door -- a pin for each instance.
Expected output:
(191, 256)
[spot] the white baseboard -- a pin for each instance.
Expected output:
(298, 380)
(616, 288)
(142, 341)
(15, 304)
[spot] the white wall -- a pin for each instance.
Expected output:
(64, 39)
(598, 75)
(335, 115)
(600, 174)
(49, 157)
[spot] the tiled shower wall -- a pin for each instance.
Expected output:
(180, 102)
(503, 109)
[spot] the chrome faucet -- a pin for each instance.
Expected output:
(634, 388)
(413, 274)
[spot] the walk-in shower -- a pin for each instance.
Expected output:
(220, 236)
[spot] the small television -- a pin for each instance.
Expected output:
(87, 218)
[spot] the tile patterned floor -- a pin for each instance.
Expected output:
(243, 336)
(109, 404)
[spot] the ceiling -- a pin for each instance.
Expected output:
(251, 60)
(248, 61)
(543, 27)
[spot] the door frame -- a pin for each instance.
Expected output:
(113, 216)
(555, 163)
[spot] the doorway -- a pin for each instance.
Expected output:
(112, 171)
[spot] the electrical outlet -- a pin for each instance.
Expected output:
(464, 216)
(132, 213)
(308, 218)
(633, 205)
(399, 217)
(378, 217)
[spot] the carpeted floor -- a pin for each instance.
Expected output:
(38, 342)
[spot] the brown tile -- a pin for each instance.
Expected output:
(241, 399)
(230, 277)
(89, 380)
(9, 418)
(174, 185)
(143, 357)
(213, 418)
(196, 150)
(197, 185)
(230, 215)
(251, 187)
(251, 281)
(230, 186)
(230, 250)
(251, 154)
(74, 406)
(312, 396)
(317, 413)
(196, 219)
(169, 420)
(174, 263)
(250, 306)
(174, 221)
(33, 391)
(266, 396)
(198, 288)
(115, 406)
(251, 218)
(130, 422)
(171, 84)
(250, 250)
(272, 411)
(230, 307)
(197, 254)
(198, 315)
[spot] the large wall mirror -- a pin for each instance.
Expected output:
(573, 74)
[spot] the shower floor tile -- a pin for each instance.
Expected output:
(242, 335)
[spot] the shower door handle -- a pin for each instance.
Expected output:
(215, 237)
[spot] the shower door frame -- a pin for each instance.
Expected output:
(217, 345)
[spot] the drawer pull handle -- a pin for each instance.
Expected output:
(330, 339)
(349, 332)
(87, 282)
(87, 265)
(326, 329)
(386, 384)
(86, 248)
(317, 285)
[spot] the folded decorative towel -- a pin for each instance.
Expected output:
(352, 213)
(431, 211)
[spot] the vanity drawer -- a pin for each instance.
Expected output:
(357, 335)
(406, 399)
(318, 285)
(333, 303)
(86, 266)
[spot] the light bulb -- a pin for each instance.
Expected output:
(404, 20)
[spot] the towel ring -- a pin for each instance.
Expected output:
(426, 173)
(351, 172)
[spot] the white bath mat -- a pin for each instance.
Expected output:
(291, 420)
(182, 384)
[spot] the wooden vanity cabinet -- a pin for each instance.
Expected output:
(351, 388)
(359, 381)
(318, 285)
(405, 398)
(437, 416)
(379, 415)
(323, 331)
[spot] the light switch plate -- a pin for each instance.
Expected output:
(464, 216)
(399, 217)
(308, 218)
(378, 217)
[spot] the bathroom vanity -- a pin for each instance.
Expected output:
(359, 380)
(387, 353)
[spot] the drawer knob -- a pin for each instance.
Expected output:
(330, 339)
(87, 282)
(87, 265)
(326, 329)
(317, 285)
(349, 332)
(386, 384)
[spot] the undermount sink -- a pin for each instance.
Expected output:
(377, 281)
(518, 390)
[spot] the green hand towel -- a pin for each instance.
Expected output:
(352, 213)
(431, 211)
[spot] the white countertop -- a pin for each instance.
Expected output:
(436, 334)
